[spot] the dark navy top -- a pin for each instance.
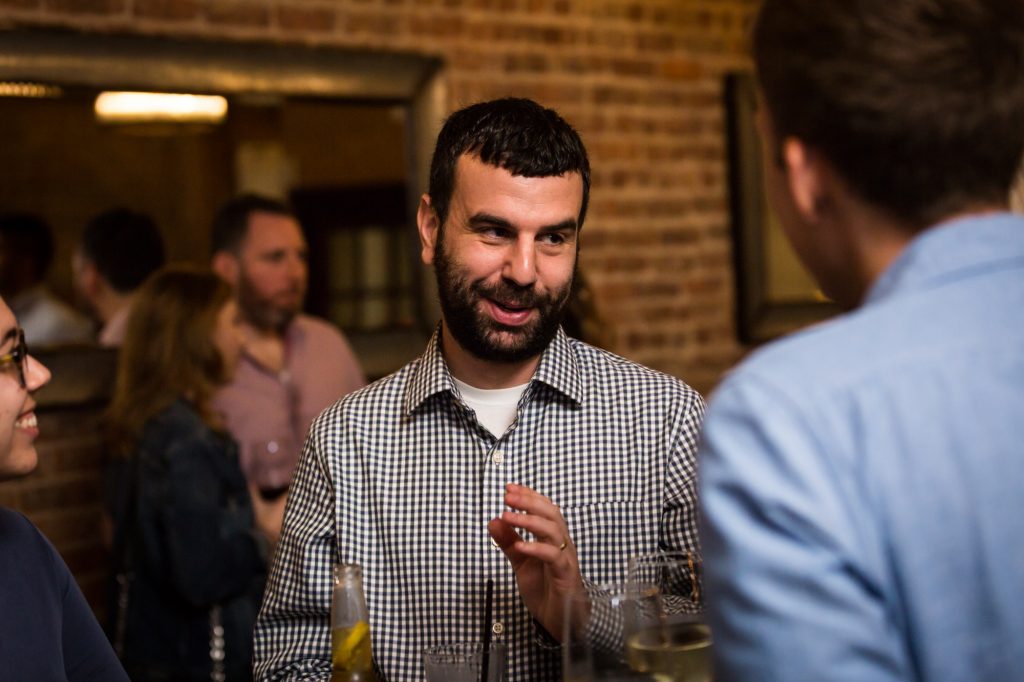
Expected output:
(47, 631)
(195, 546)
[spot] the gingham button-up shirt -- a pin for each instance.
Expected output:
(402, 479)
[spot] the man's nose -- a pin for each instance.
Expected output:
(521, 263)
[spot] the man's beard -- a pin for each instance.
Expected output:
(262, 313)
(481, 335)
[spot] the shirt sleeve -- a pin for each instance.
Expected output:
(679, 524)
(793, 586)
(292, 639)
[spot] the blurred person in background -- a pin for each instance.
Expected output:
(26, 252)
(862, 480)
(191, 547)
(118, 250)
(47, 630)
(293, 365)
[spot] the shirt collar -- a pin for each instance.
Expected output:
(558, 369)
(952, 250)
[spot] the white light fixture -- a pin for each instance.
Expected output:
(159, 107)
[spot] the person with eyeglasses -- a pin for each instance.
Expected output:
(47, 631)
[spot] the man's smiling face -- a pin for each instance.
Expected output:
(505, 259)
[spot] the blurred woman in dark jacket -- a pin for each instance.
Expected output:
(190, 549)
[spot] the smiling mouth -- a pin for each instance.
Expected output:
(510, 314)
(510, 307)
(27, 422)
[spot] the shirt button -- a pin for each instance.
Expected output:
(498, 457)
(498, 627)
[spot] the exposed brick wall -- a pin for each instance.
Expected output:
(641, 79)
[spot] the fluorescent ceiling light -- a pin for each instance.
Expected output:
(22, 89)
(152, 107)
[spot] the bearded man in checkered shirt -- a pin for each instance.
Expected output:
(506, 452)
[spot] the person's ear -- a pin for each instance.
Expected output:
(806, 175)
(428, 227)
(225, 264)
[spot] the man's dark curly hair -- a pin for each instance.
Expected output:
(518, 135)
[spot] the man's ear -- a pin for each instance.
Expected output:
(428, 227)
(807, 177)
(225, 264)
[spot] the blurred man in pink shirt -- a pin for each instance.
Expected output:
(293, 365)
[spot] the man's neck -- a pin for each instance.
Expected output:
(877, 240)
(485, 374)
(265, 347)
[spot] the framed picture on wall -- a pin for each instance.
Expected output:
(775, 293)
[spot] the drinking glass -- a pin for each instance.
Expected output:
(677, 645)
(461, 662)
(599, 620)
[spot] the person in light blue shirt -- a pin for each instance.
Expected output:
(863, 481)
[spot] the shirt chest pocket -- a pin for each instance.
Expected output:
(607, 534)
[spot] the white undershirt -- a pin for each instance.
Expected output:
(495, 408)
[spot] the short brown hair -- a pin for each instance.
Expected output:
(919, 104)
(168, 351)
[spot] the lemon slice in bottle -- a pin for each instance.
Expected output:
(348, 644)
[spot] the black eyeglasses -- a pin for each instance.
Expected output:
(17, 357)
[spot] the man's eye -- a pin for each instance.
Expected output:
(553, 238)
(497, 232)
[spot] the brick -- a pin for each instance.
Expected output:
(306, 19)
(438, 26)
(372, 23)
(85, 7)
(531, 62)
(681, 69)
(167, 10)
(236, 13)
(20, 4)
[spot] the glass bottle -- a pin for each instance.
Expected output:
(351, 660)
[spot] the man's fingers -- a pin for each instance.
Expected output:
(528, 500)
(549, 554)
(543, 529)
(506, 537)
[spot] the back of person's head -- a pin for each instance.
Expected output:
(169, 351)
(231, 222)
(918, 104)
(517, 135)
(28, 237)
(125, 246)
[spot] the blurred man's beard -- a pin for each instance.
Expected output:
(484, 337)
(262, 313)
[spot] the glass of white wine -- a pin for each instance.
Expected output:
(676, 646)
(599, 621)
